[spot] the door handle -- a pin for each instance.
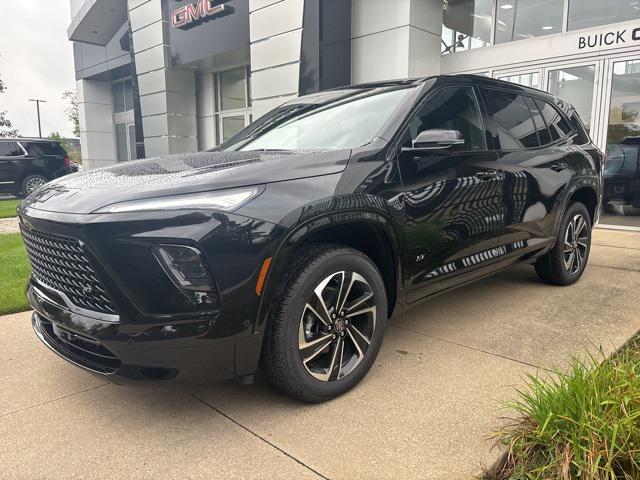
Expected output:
(487, 175)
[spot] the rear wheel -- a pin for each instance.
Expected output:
(326, 325)
(31, 183)
(565, 263)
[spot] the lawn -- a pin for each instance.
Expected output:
(14, 274)
(8, 208)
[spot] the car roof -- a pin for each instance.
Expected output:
(28, 139)
(443, 79)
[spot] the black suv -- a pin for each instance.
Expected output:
(28, 163)
(622, 173)
(290, 245)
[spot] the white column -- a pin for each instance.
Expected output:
(393, 40)
(276, 43)
(167, 96)
(97, 137)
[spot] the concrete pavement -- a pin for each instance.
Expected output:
(9, 225)
(424, 411)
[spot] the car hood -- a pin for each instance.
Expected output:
(89, 190)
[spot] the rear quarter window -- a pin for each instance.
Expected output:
(44, 148)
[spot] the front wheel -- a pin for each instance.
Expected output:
(31, 183)
(327, 323)
(565, 263)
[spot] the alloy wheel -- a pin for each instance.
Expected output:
(576, 244)
(337, 326)
(33, 184)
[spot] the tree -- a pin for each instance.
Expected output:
(72, 111)
(5, 123)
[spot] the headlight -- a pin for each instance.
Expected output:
(224, 200)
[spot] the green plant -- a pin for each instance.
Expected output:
(14, 274)
(579, 424)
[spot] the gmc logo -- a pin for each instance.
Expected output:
(194, 12)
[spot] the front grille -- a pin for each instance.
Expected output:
(60, 263)
(78, 348)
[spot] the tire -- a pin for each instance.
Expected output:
(30, 183)
(300, 327)
(635, 200)
(565, 263)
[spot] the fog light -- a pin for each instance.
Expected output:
(185, 266)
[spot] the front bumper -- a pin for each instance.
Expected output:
(169, 353)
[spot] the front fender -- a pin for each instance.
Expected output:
(300, 234)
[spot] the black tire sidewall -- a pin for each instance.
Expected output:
(567, 278)
(304, 285)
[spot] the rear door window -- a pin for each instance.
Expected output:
(558, 125)
(39, 149)
(538, 120)
(515, 126)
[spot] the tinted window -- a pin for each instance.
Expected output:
(452, 108)
(541, 126)
(10, 149)
(516, 129)
(38, 149)
(558, 125)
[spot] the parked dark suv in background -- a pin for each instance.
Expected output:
(622, 173)
(29, 163)
(290, 245)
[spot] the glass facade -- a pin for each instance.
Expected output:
(467, 25)
(122, 92)
(472, 24)
(522, 19)
(594, 13)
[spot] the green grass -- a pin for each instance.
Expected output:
(14, 274)
(582, 424)
(8, 208)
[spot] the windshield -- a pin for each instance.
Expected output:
(349, 123)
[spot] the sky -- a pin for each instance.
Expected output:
(36, 61)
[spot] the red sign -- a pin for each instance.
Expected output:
(192, 12)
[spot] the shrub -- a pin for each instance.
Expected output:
(579, 424)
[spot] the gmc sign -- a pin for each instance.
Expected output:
(194, 12)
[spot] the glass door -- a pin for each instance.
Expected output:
(231, 124)
(578, 84)
(620, 138)
(531, 78)
(125, 141)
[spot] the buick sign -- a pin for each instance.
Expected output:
(194, 12)
(618, 37)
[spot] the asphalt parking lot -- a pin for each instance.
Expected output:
(425, 410)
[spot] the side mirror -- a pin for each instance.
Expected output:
(437, 140)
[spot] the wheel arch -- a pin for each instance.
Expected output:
(368, 232)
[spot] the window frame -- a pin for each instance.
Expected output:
(404, 128)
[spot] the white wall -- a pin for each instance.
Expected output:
(276, 42)
(97, 137)
(395, 41)
(167, 96)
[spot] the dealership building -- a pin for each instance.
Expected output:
(156, 77)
